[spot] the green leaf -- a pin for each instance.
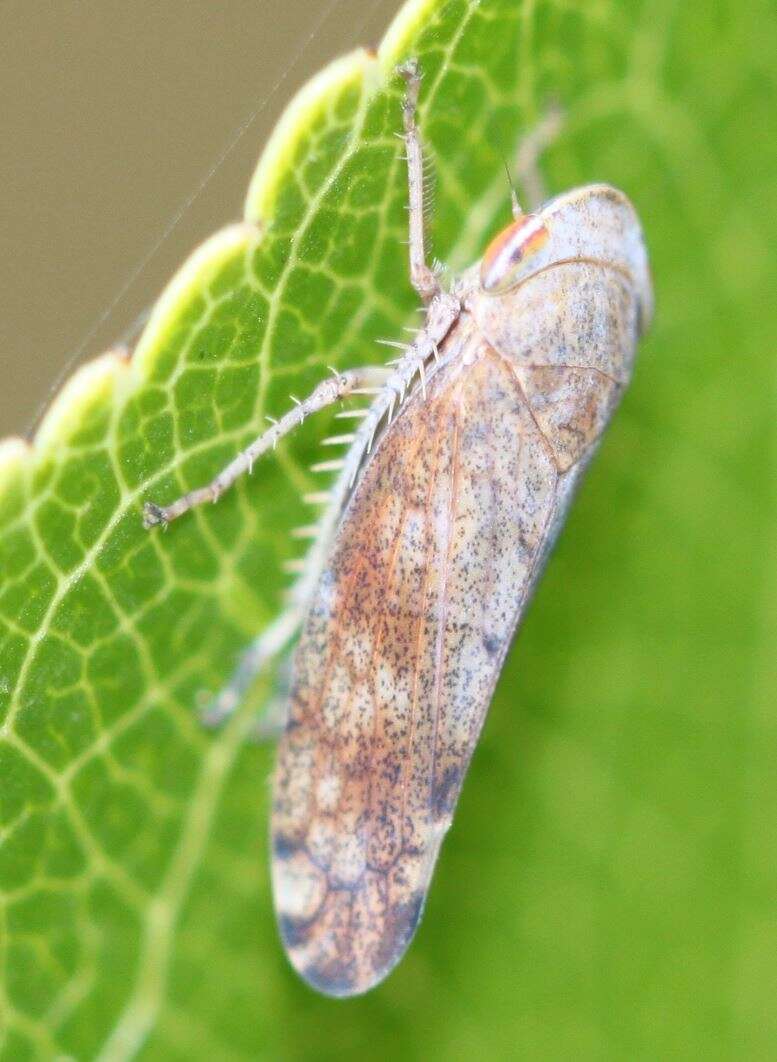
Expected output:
(608, 889)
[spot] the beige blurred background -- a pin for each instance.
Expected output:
(113, 114)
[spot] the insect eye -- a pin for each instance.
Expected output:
(508, 251)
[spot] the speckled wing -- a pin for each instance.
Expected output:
(430, 572)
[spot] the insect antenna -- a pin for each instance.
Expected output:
(516, 205)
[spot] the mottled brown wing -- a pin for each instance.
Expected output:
(428, 577)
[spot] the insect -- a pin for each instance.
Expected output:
(454, 487)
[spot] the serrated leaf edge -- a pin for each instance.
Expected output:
(121, 370)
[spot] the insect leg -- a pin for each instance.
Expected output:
(271, 721)
(422, 276)
(329, 391)
(272, 641)
(528, 155)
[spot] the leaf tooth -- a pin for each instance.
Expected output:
(308, 531)
(293, 567)
(317, 497)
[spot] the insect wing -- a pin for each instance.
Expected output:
(432, 567)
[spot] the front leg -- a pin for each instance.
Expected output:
(422, 276)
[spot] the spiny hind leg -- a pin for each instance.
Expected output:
(527, 159)
(329, 391)
(274, 641)
(422, 276)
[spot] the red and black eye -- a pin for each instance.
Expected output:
(508, 251)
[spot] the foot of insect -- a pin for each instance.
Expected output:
(270, 645)
(267, 725)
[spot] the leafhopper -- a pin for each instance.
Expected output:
(454, 486)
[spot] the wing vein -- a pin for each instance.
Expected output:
(522, 394)
(442, 619)
(419, 637)
(380, 634)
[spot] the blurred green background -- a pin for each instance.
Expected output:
(608, 890)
